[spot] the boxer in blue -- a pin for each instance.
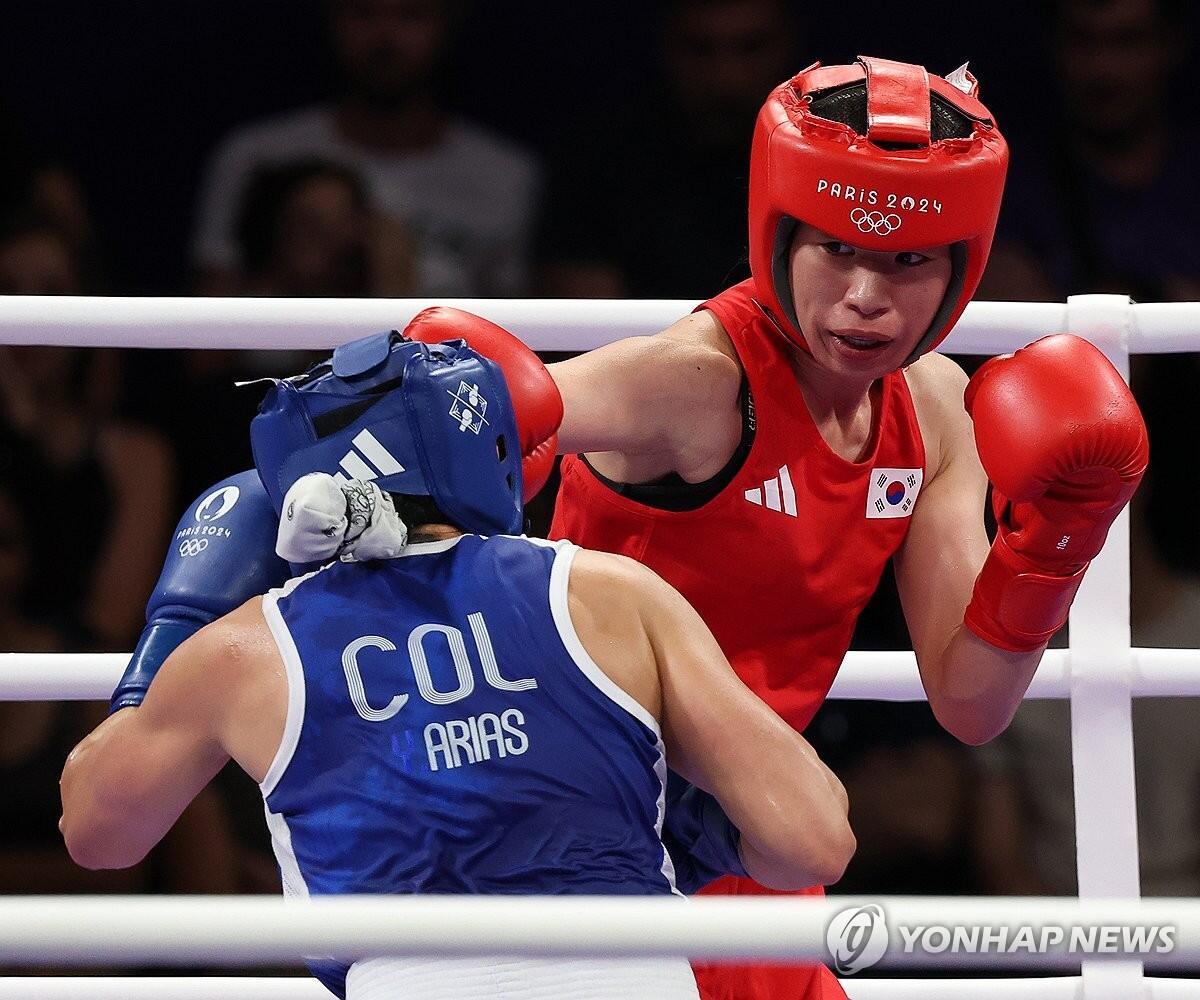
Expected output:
(436, 711)
(224, 553)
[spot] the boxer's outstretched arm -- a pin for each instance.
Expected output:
(222, 693)
(641, 395)
(789, 807)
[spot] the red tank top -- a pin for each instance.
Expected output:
(782, 561)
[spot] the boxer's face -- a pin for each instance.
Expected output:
(864, 311)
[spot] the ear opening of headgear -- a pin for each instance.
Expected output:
(418, 419)
(882, 156)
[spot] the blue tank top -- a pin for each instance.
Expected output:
(448, 733)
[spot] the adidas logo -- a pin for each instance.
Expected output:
(355, 466)
(775, 494)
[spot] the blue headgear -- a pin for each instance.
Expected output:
(430, 420)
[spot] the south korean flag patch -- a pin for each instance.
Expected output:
(893, 492)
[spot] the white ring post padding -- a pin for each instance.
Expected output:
(544, 324)
(884, 676)
(1106, 831)
(256, 930)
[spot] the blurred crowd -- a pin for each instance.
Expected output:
(444, 148)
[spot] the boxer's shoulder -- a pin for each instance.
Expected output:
(621, 597)
(603, 580)
(234, 678)
(698, 348)
(936, 384)
(235, 639)
(612, 601)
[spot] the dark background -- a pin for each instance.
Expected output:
(133, 96)
(131, 100)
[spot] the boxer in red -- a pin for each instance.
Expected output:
(768, 454)
(771, 452)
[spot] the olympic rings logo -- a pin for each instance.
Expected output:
(193, 546)
(875, 222)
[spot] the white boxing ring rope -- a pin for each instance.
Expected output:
(881, 676)
(1100, 673)
(263, 930)
(544, 324)
(247, 988)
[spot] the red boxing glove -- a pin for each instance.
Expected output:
(536, 399)
(1064, 444)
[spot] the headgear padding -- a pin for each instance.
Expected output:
(430, 420)
(894, 186)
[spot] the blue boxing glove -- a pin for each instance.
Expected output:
(223, 553)
(702, 842)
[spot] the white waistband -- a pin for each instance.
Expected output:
(505, 977)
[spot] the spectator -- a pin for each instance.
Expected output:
(661, 211)
(928, 817)
(306, 229)
(303, 229)
(36, 257)
(911, 795)
(99, 490)
(35, 737)
(20, 631)
(1105, 204)
(1035, 753)
(30, 179)
(84, 511)
(466, 196)
(1101, 198)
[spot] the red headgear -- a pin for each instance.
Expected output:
(893, 188)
